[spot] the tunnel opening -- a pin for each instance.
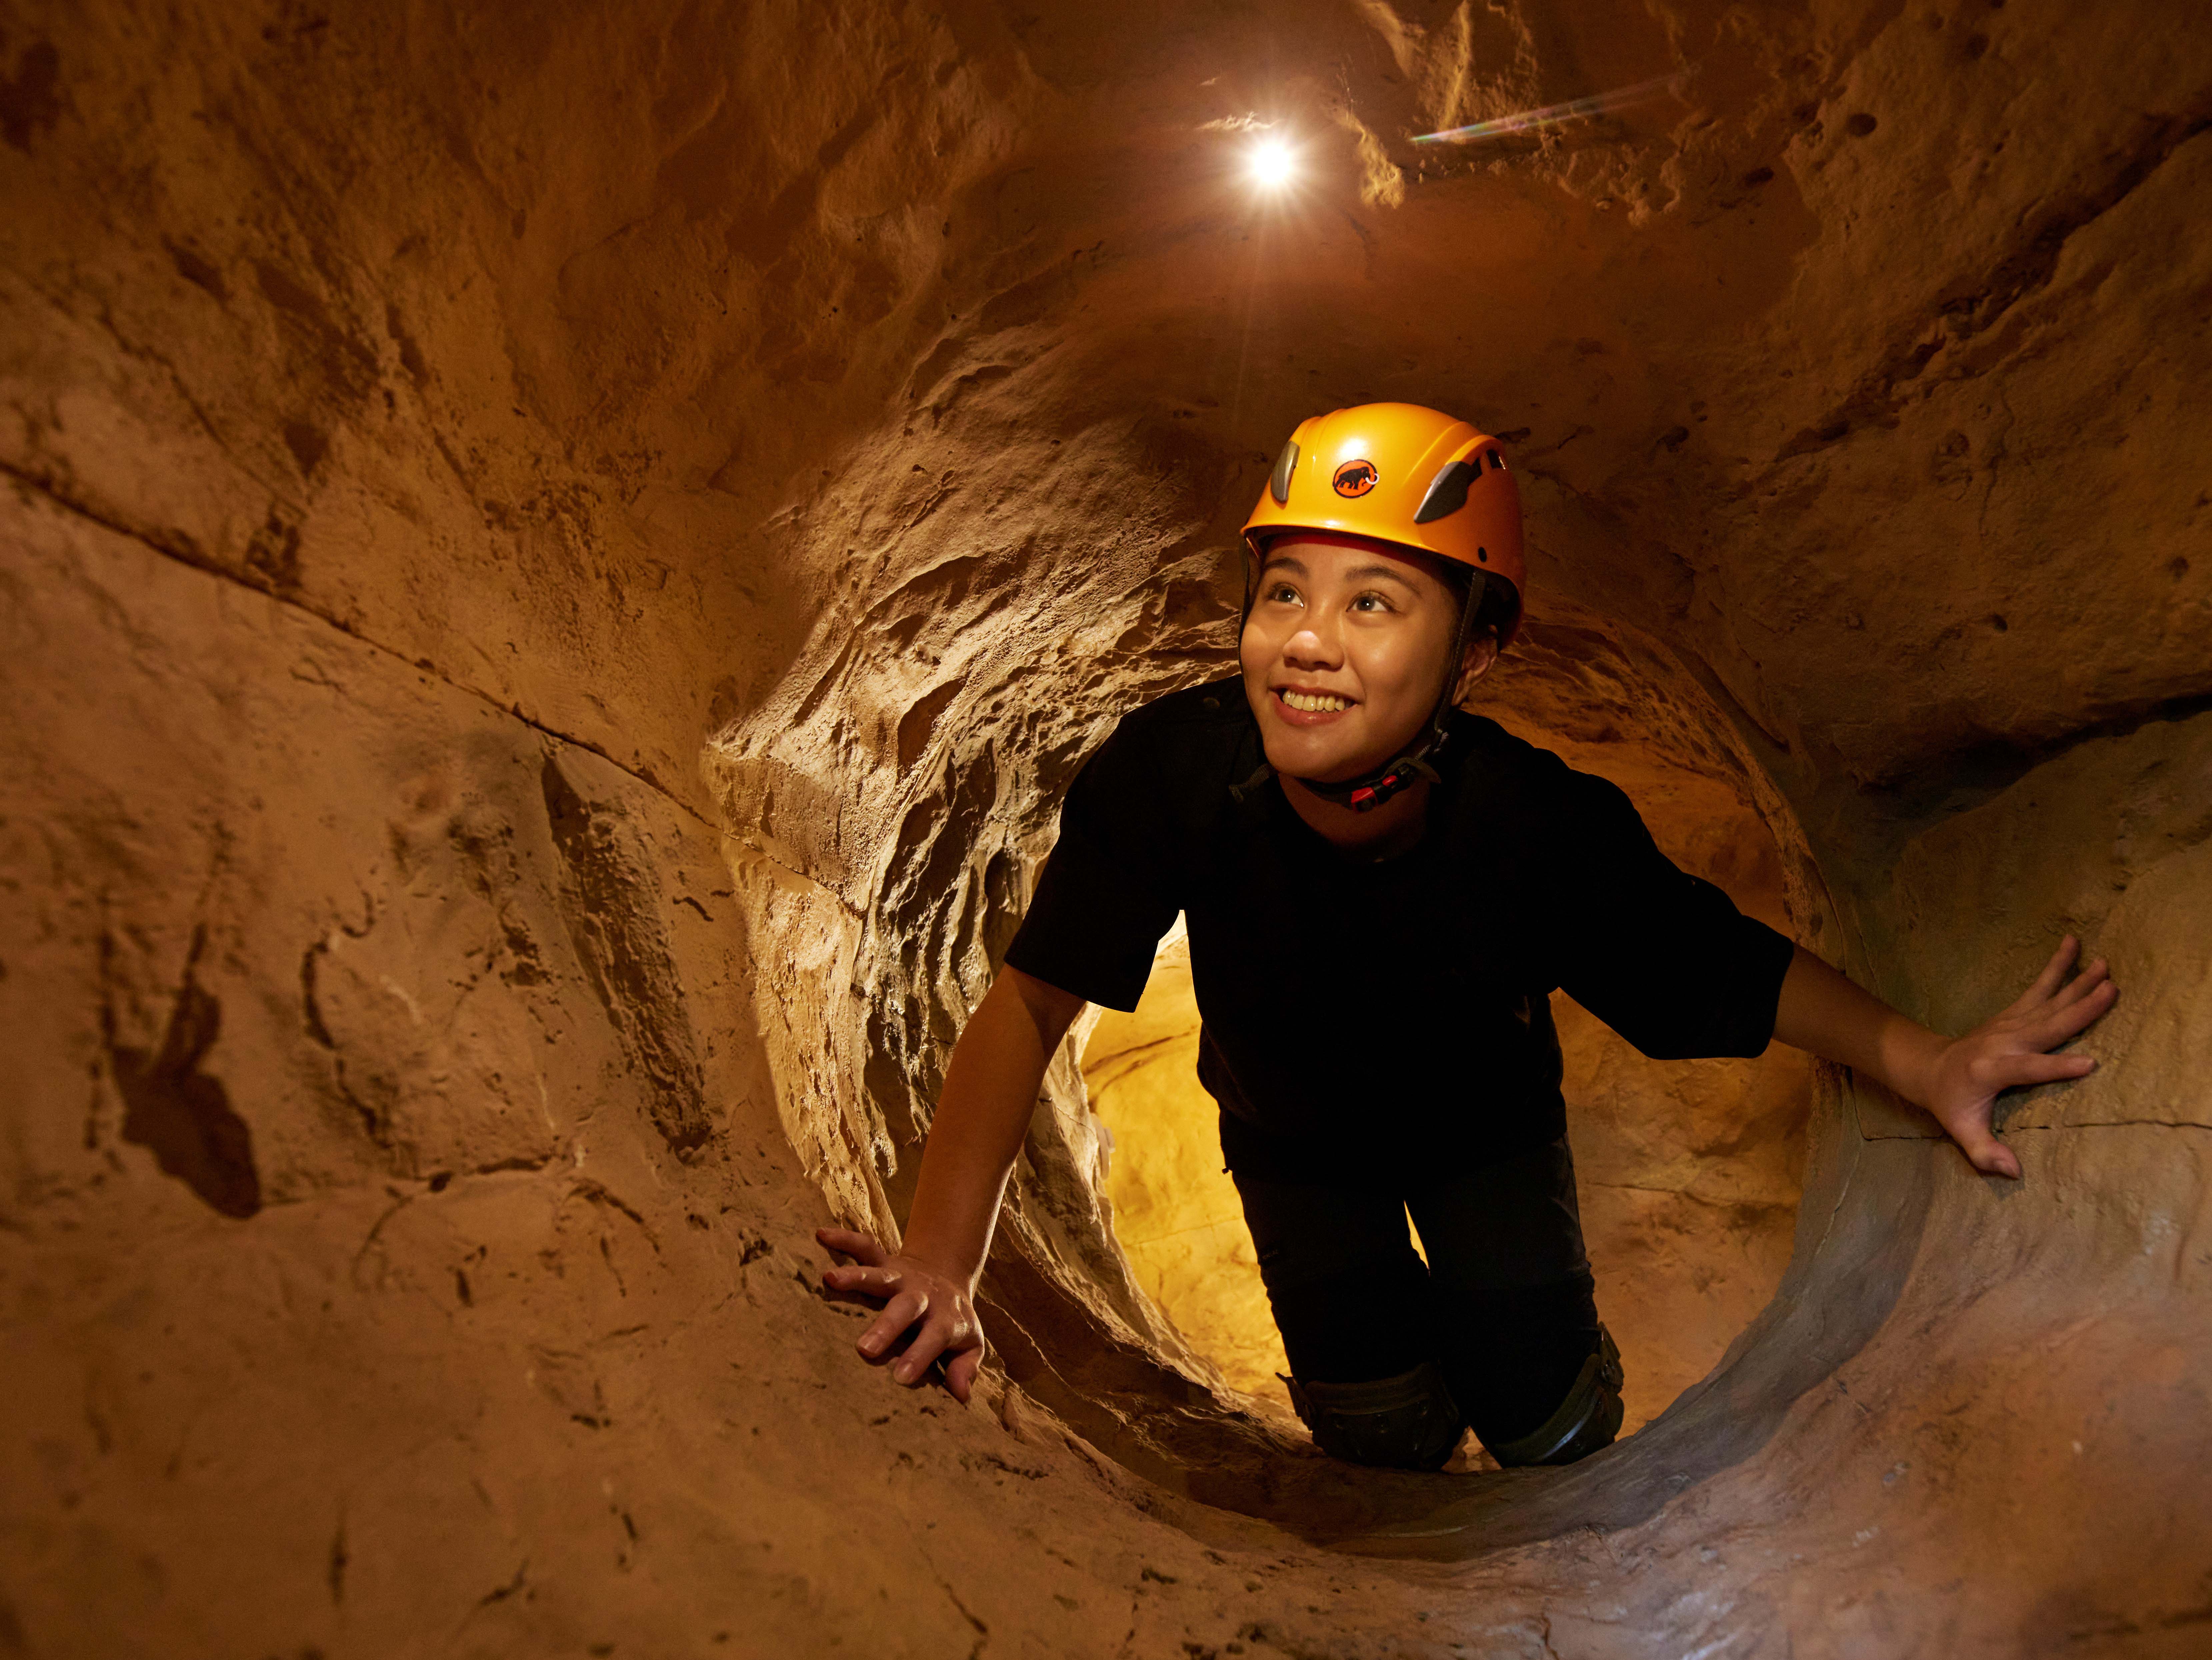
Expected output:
(1122, 1293)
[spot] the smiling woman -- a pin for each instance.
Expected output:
(1439, 878)
(1356, 862)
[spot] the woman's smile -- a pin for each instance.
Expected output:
(1302, 707)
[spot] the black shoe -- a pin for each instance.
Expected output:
(1586, 1420)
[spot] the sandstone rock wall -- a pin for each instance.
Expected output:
(557, 559)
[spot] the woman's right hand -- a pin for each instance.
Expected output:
(928, 1307)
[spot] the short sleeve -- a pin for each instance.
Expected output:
(1663, 957)
(1106, 894)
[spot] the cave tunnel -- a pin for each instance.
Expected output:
(559, 561)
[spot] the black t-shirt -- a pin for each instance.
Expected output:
(1365, 1016)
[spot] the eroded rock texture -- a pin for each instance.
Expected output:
(558, 560)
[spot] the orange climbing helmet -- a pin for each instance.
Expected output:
(1400, 473)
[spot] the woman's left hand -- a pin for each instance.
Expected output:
(1965, 1076)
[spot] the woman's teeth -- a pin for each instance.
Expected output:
(1315, 703)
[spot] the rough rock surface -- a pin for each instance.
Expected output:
(556, 561)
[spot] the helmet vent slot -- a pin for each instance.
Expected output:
(1279, 486)
(1448, 490)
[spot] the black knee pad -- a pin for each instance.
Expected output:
(1586, 1420)
(1406, 1422)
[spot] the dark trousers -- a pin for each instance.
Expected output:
(1505, 1304)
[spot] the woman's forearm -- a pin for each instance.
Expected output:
(1823, 1012)
(991, 1086)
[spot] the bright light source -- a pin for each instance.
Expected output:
(1272, 163)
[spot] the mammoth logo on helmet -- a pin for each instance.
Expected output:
(1356, 478)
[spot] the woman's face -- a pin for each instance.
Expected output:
(1344, 654)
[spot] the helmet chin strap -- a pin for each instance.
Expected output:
(1365, 794)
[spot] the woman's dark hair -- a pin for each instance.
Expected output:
(1500, 603)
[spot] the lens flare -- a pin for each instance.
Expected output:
(1271, 163)
(1552, 115)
